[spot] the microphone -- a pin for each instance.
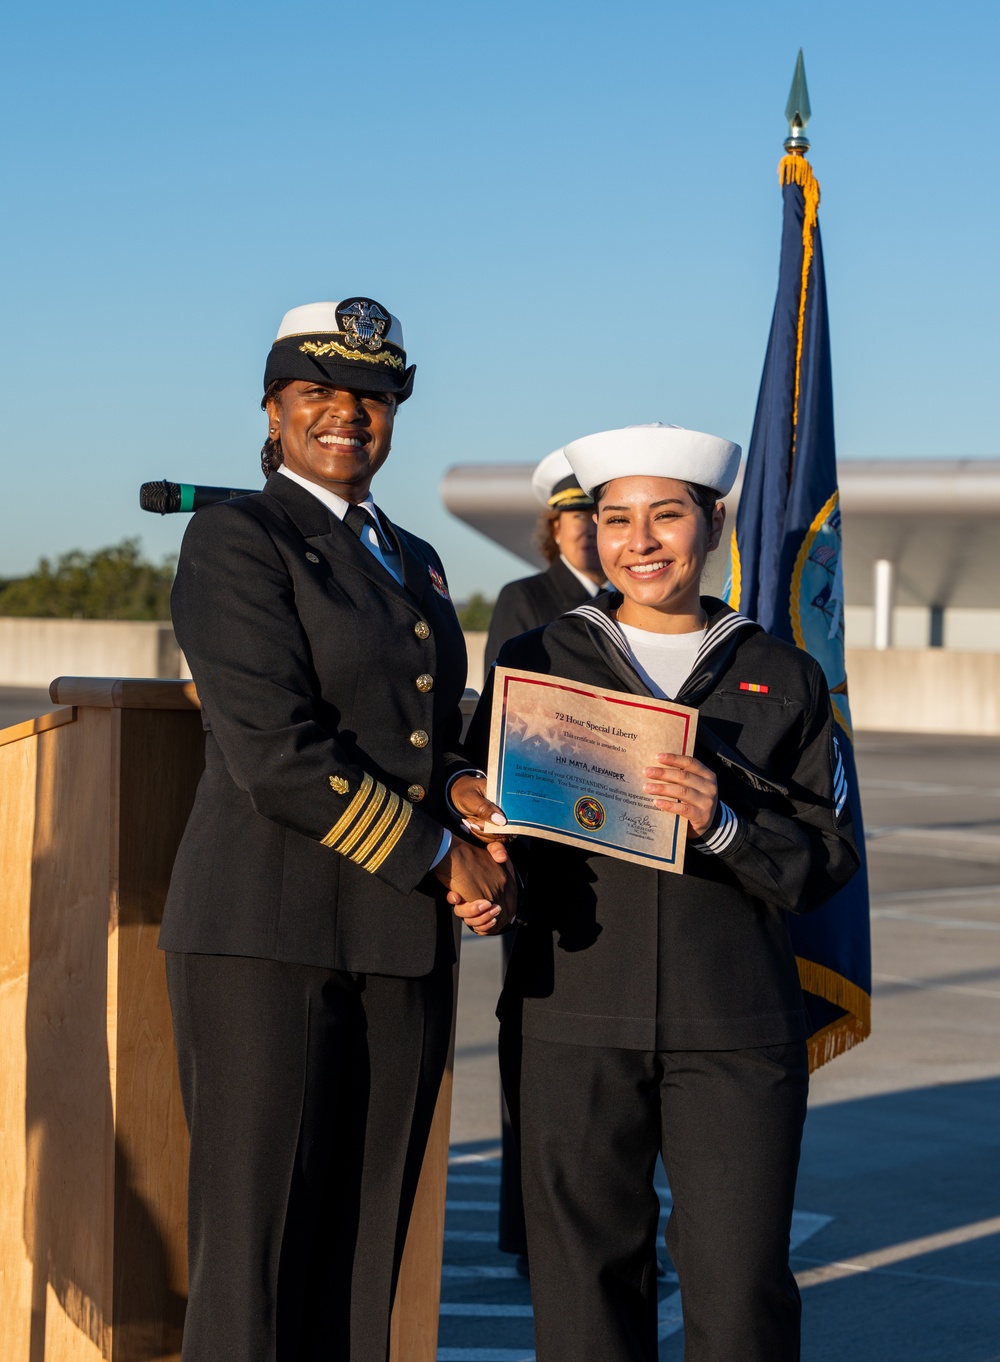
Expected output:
(166, 497)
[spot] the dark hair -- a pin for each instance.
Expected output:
(545, 537)
(271, 457)
(703, 497)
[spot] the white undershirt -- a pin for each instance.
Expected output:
(664, 661)
(592, 588)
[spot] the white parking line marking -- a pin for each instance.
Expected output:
(899, 1253)
(929, 984)
(488, 1310)
(960, 924)
(485, 1355)
(480, 1270)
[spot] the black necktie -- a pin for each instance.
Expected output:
(359, 520)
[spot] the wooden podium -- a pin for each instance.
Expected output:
(93, 1145)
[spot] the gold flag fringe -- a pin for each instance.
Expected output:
(797, 170)
(845, 1032)
(736, 573)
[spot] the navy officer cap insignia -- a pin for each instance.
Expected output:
(355, 343)
(363, 322)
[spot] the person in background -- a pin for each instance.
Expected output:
(308, 931)
(567, 539)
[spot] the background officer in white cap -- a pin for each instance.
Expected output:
(308, 932)
(648, 1013)
(567, 539)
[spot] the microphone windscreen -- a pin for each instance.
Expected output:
(160, 497)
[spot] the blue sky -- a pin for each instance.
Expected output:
(572, 208)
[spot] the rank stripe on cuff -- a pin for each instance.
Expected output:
(370, 826)
(719, 839)
(391, 837)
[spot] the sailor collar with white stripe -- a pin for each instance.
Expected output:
(724, 625)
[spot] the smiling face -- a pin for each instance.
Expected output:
(333, 436)
(576, 535)
(653, 539)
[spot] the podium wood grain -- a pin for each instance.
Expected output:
(93, 1147)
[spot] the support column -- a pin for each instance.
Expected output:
(884, 582)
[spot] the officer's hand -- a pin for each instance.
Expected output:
(480, 815)
(685, 787)
(481, 885)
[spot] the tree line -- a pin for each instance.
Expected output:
(119, 583)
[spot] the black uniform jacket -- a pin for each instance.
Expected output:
(615, 954)
(532, 601)
(330, 695)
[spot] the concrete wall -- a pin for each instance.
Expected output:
(904, 690)
(927, 690)
(33, 652)
(914, 626)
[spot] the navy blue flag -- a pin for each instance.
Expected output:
(785, 573)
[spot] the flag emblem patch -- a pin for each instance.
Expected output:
(755, 687)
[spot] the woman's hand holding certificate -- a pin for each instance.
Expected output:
(685, 787)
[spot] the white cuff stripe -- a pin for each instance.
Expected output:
(723, 835)
(840, 789)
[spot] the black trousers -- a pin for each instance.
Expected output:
(309, 1095)
(591, 1122)
(513, 1237)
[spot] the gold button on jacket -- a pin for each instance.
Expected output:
(419, 738)
(425, 682)
(422, 629)
(415, 793)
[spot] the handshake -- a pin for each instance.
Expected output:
(480, 880)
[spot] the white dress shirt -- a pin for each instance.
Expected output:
(389, 560)
(592, 588)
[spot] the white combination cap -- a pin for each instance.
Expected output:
(657, 450)
(556, 485)
(356, 343)
(351, 316)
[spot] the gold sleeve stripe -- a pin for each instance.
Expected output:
(371, 825)
(350, 813)
(364, 821)
(391, 838)
(378, 831)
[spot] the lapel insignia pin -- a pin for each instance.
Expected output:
(438, 583)
(313, 558)
(339, 785)
(753, 685)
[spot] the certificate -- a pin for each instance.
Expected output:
(566, 763)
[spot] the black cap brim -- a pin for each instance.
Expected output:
(359, 375)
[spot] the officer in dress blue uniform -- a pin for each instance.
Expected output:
(567, 539)
(308, 931)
